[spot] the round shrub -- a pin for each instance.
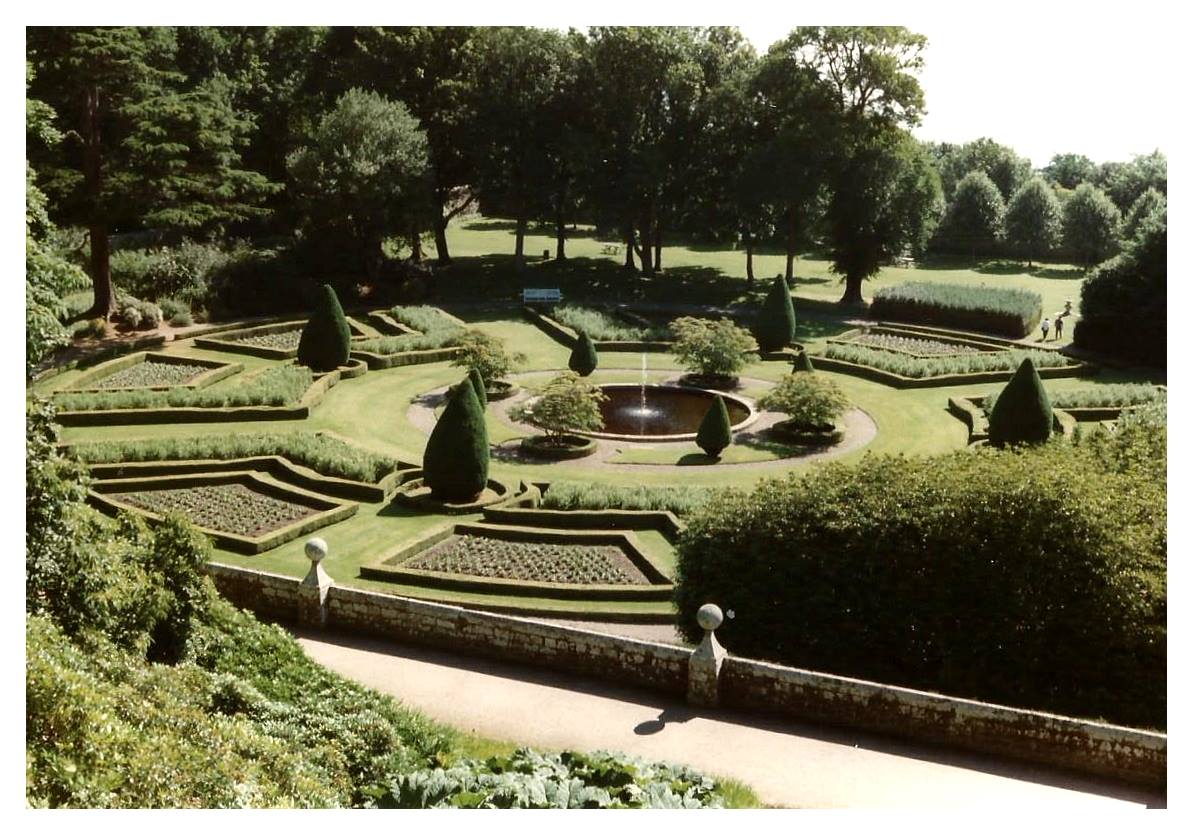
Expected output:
(481, 391)
(130, 317)
(714, 433)
(1016, 577)
(1022, 413)
(326, 339)
(567, 405)
(456, 458)
(776, 324)
(583, 357)
(487, 355)
(712, 348)
(810, 400)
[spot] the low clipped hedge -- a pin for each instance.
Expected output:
(561, 448)
(575, 495)
(1034, 579)
(1014, 313)
(280, 386)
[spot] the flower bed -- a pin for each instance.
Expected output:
(1003, 310)
(887, 339)
(224, 507)
(279, 340)
(560, 448)
(150, 373)
(914, 367)
(543, 562)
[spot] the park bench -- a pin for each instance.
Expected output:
(531, 295)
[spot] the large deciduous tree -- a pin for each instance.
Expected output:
(1090, 224)
(1124, 182)
(1033, 221)
(975, 217)
(1006, 168)
(144, 144)
(363, 177)
(1070, 170)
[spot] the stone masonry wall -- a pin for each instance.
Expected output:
(272, 596)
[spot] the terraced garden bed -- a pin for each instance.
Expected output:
(225, 507)
(547, 562)
(280, 340)
(148, 371)
(911, 344)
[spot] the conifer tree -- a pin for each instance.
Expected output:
(1022, 413)
(776, 324)
(714, 433)
(455, 463)
(326, 339)
(481, 391)
(583, 357)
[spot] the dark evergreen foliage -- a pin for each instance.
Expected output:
(714, 433)
(584, 358)
(802, 362)
(481, 391)
(326, 339)
(456, 457)
(1022, 413)
(776, 325)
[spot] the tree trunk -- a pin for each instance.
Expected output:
(560, 234)
(657, 248)
(519, 255)
(646, 248)
(853, 295)
(101, 268)
(415, 246)
(440, 240)
(101, 274)
(630, 248)
(789, 242)
(748, 248)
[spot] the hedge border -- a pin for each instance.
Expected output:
(216, 371)
(227, 341)
(971, 412)
(659, 588)
(867, 372)
(662, 521)
(381, 361)
(569, 337)
(535, 445)
(785, 432)
(204, 414)
(103, 355)
(973, 318)
(848, 338)
(403, 496)
(329, 513)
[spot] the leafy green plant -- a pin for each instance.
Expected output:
(604, 328)
(150, 373)
(776, 325)
(1111, 395)
(715, 348)
(566, 404)
(325, 343)
(542, 562)
(487, 355)
(810, 400)
(231, 508)
(1004, 310)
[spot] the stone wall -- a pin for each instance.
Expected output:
(271, 596)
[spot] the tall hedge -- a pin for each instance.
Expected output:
(1022, 413)
(326, 338)
(1014, 577)
(455, 463)
(714, 433)
(776, 324)
(481, 391)
(583, 357)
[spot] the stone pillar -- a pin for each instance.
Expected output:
(314, 587)
(702, 689)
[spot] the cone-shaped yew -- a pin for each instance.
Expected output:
(714, 433)
(776, 324)
(584, 358)
(326, 339)
(481, 391)
(1022, 413)
(802, 362)
(455, 464)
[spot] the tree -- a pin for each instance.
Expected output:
(584, 358)
(715, 348)
(363, 177)
(487, 355)
(1070, 170)
(481, 391)
(567, 404)
(802, 362)
(776, 325)
(714, 433)
(1022, 412)
(455, 463)
(885, 200)
(1034, 218)
(975, 218)
(1124, 182)
(1090, 224)
(811, 401)
(146, 145)
(325, 343)
(1007, 169)
(1151, 202)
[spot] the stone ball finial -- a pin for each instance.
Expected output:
(710, 616)
(316, 550)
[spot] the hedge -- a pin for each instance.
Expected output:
(1011, 312)
(1034, 579)
(456, 456)
(326, 338)
(1022, 413)
(573, 495)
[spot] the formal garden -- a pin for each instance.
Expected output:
(924, 488)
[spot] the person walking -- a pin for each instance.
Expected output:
(1058, 326)
(1045, 329)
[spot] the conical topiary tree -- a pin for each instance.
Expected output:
(481, 391)
(1022, 413)
(584, 358)
(714, 433)
(802, 362)
(455, 464)
(776, 324)
(326, 339)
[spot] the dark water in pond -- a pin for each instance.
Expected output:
(667, 410)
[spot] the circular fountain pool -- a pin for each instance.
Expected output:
(663, 413)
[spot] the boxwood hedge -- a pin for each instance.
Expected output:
(1032, 579)
(1004, 310)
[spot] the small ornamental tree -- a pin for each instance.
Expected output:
(776, 324)
(802, 362)
(712, 348)
(1022, 413)
(1034, 219)
(584, 358)
(1090, 223)
(487, 355)
(810, 401)
(326, 339)
(567, 404)
(976, 215)
(455, 463)
(714, 433)
(481, 391)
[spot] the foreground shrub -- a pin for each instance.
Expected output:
(567, 404)
(456, 456)
(714, 433)
(529, 780)
(776, 325)
(1022, 413)
(1007, 311)
(326, 339)
(714, 348)
(481, 391)
(581, 495)
(810, 400)
(1010, 576)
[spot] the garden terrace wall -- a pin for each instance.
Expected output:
(974, 319)
(947, 333)
(876, 375)
(204, 414)
(1119, 753)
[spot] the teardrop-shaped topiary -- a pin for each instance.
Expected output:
(802, 362)
(714, 433)
(326, 338)
(1022, 413)
(455, 463)
(584, 358)
(481, 391)
(776, 324)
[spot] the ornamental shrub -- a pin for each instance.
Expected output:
(776, 325)
(567, 404)
(714, 433)
(810, 400)
(486, 354)
(802, 362)
(456, 457)
(481, 391)
(1022, 412)
(714, 348)
(583, 357)
(1004, 310)
(326, 338)
(1012, 576)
